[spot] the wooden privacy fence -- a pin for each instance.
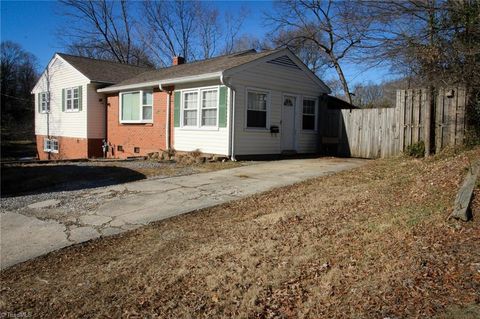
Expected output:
(386, 132)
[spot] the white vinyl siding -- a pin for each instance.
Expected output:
(278, 80)
(208, 139)
(61, 75)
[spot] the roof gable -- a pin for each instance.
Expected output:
(102, 71)
(284, 61)
(283, 58)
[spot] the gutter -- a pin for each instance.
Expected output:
(231, 151)
(167, 120)
(185, 79)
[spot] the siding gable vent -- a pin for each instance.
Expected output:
(285, 61)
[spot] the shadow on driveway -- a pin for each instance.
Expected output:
(24, 179)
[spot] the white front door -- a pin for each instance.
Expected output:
(288, 122)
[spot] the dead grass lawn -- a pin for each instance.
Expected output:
(368, 243)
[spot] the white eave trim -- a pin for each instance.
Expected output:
(128, 87)
(166, 82)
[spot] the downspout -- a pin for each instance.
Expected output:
(167, 122)
(224, 81)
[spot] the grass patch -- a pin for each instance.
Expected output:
(373, 242)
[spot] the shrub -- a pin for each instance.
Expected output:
(195, 153)
(416, 150)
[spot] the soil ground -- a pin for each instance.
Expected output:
(373, 242)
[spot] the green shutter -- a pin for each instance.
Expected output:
(63, 100)
(39, 102)
(222, 107)
(80, 97)
(176, 109)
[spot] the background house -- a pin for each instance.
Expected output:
(70, 117)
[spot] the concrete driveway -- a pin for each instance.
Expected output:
(24, 236)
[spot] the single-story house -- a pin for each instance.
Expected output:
(243, 104)
(70, 115)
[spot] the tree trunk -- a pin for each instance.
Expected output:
(341, 76)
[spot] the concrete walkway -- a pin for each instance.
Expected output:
(24, 237)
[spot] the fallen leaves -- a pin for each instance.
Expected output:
(368, 243)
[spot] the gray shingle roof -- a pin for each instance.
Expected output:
(212, 65)
(101, 70)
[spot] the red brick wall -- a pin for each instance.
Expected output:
(68, 148)
(148, 137)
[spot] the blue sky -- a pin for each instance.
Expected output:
(34, 25)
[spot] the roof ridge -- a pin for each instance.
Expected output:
(239, 53)
(102, 60)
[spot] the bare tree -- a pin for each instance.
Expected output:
(305, 49)
(436, 43)
(103, 29)
(169, 29)
(335, 28)
(209, 31)
(233, 25)
(18, 75)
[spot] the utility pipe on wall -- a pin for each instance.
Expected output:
(225, 81)
(169, 97)
(167, 120)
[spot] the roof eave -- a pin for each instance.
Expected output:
(160, 83)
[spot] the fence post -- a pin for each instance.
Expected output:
(428, 121)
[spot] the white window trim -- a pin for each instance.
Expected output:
(269, 100)
(141, 108)
(198, 126)
(315, 130)
(47, 106)
(50, 149)
(72, 98)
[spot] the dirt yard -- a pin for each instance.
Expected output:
(19, 179)
(373, 242)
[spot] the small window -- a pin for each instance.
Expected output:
(136, 107)
(147, 106)
(209, 107)
(120, 148)
(190, 108)
(136, 149)
(257, 109)
(72, 99)
(50, 145)
(45, 102)
(308, 117)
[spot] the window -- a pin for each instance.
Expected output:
(200, 108)
(50, 145)
(190, 108)
(45, 102)
(136, 107)
(72, 101)
(308, 118)
(147, 106)
(257, 109)
(209, 107)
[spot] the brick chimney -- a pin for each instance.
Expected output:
(178, 60)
